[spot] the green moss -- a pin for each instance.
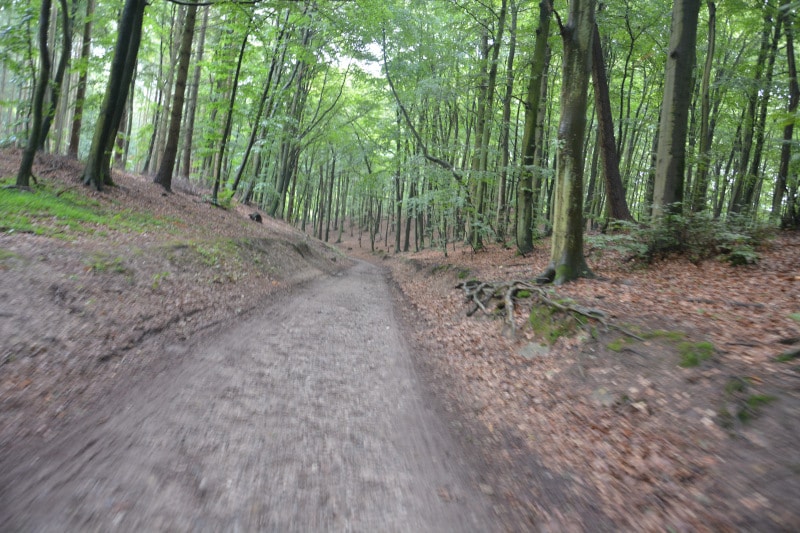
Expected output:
(61, 213)
(550, 324)
(522, 294)
(795, 316)
(694, 353)
(463, 274)
(617, 345)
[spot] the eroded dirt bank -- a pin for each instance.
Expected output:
(307, 415)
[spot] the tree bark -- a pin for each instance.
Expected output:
(58, 78)
(97, 172)
(186, 162)
(615, 193)
(164, 174)
(781, 189)
(567, 261)
(745, 182)
(26, 165)
(80, 96)
(704, 154)
(525, 187)
(671, 154)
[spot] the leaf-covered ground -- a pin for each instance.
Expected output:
(604, 431)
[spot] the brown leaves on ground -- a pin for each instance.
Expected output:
(584, 437)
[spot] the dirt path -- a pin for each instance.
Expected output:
(306, 416)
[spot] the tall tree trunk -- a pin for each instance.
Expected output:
(80, 96)
(186, 163)
(525, 186)
(788, 131)
(615, 194)
(26, 165)
(704, 156)
(744, 182)
(483, 129)
(751, 191)
(567, 261)
(164, 174)
(226, 130)
(58, 79)
(501, 220)
(671, 154)
(97, 172)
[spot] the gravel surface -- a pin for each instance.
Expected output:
(306, 415)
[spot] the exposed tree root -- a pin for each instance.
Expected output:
(481, 293)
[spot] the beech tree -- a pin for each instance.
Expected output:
(26, 166)
(567, 261)
(671, 153)
(164, 174)
(97, 172)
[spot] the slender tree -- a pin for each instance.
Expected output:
(615, 193)
(524, 212)
(58, 79)
(26, 165)
(80, 96)
(781, 189)
(164, 174)
(671, 153)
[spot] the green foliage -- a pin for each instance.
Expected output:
(694, 353)
(697, 235)
(795, 316)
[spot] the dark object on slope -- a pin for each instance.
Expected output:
(256, 217)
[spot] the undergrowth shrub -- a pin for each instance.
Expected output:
(699, 236)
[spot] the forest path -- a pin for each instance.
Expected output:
(306, 416)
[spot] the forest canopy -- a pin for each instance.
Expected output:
(438, 121)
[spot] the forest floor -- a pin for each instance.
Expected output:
(597, 431)
(603, 431)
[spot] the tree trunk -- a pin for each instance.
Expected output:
(567, 261)
(80, 96)
(615, 194)
(501, 220)
(749, 196)
(97, 172)
(226, 130)
(58, 79)
(745, 182)
(704, 156)
(164, 174)
(525, 186)
(26, 165)
(186, 163)
(671, 154)
(788, 131)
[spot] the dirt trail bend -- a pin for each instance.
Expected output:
(307, 416)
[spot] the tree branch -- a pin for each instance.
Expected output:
(433, 159)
